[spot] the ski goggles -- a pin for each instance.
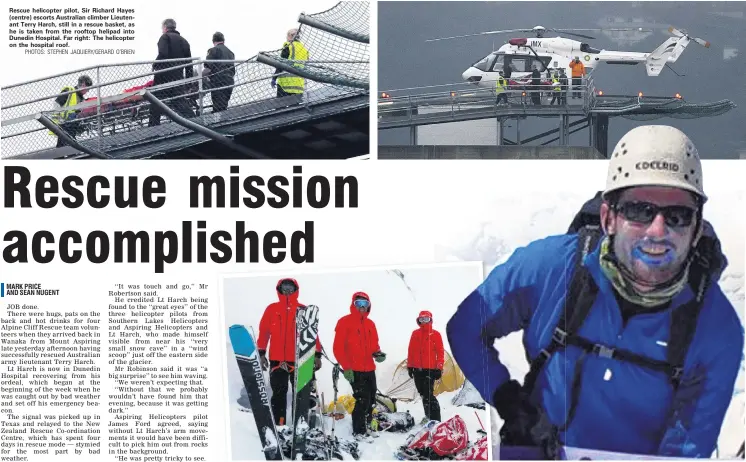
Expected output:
(424, 319)
(361, 303)
(675, 216)
(287, 287)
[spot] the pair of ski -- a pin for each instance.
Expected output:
(249, 365)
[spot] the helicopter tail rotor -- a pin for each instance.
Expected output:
(670, 50)
(680, 33)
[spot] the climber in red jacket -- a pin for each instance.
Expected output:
(277, 328)
(425, 362)
(356, 347)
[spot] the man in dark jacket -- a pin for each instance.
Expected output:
(220, 74)
(536, 86)
(171, 45)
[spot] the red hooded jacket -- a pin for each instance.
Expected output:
(277, 328)
(356, 339)
(426, 346)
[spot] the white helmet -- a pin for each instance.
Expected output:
(655, 155)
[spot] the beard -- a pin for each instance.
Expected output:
(651, 262)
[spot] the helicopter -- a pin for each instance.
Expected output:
(522, 55)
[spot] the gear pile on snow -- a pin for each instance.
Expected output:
(318, 446)
(477, 451)
(447, 440)
(321, 447)
(397, 422)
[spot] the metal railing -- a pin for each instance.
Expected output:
(461, 101)
(116, 105)
(464, 97)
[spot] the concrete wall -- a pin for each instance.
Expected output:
(488, 152)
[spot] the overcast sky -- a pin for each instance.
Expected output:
(249, 27)
(406, 60)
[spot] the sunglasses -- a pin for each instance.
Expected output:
(287, 287)
(675, 216)
(424, 319)
(362, 303)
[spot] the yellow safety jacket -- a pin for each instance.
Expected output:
(298, 55)
(555, 79)
(72, 100)
(500, 85)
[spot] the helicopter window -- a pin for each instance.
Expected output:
(498, 65)
(520, 64)
(485, 63)
(585, 48)
(542, 63)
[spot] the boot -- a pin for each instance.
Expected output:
(363, 437)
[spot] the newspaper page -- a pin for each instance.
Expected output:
(120, 317)
(209, 307)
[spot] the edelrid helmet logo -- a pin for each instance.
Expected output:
(657, 165)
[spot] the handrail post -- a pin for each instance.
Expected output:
(200, 89)
(99, 122)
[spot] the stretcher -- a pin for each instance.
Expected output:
(116, 116)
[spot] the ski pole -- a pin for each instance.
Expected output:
(323, 353)
(335, 379)
(480, 420)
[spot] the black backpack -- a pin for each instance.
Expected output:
(708, 264)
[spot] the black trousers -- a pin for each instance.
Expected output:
(278, 381)
(536, 95)
(180, 105)
(221, 97)
(364, 391)
(424, 380)
(577, 82)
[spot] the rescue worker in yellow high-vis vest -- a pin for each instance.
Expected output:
(63, 116)
(556, 88)
(294, 51)
(500, 86)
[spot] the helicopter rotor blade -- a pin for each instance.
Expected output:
(572, 33)
(478, 34)
(606, 29)
(680, 33)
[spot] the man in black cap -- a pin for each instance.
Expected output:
(220, 74)
(171, 45)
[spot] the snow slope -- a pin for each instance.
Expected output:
(517, 219)
(395, 305)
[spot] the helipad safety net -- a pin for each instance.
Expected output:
(681, 110)
(337, 44)
(114, 116)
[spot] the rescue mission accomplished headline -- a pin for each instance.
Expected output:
(131, 192)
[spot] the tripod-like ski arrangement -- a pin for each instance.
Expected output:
(303, 437)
